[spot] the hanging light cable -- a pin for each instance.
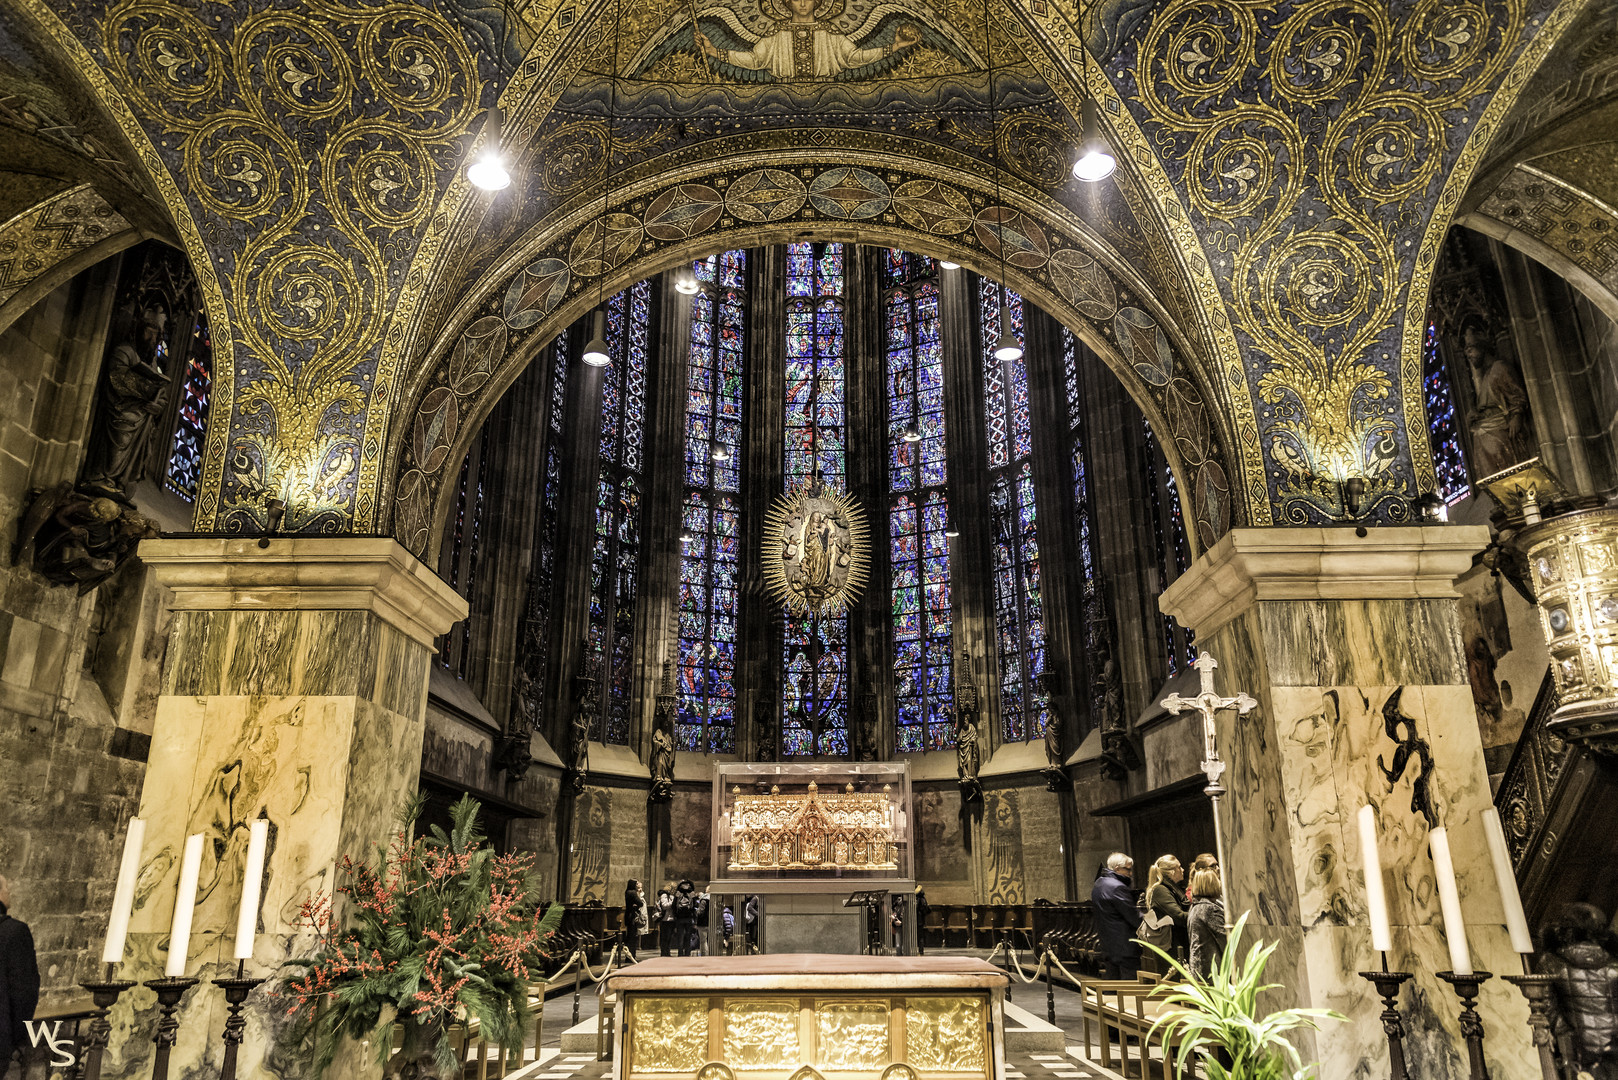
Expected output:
(1095, 160)
(1007, 348)
(596, 353)
(489, 172)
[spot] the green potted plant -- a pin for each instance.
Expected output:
(435, 929)
(1217, 1021)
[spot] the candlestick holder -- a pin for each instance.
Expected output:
(1540, 991)
(236, 991)
(1466, 988)
(1387, 988)
(105, 995)
(169, 992)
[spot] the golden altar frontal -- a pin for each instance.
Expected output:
(809, 1016)
(812, 830)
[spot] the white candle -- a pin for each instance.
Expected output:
(185, 905)
(1376, 897)
(123, 894)
(1449, 902)
(258, 835)
(1516, 922)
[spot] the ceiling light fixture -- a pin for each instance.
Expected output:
(1095, 160)
(686, 286)
(489, 172)
(950, 529)
(595, 354)
(720, 453)
(911, 434)
(949, 265)
(1008, 347)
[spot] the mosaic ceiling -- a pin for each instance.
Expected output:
(1287, 172)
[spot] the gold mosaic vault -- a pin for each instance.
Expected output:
(813, 831)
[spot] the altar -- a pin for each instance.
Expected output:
(802, 839)
(809, 1017)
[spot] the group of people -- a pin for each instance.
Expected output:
(681, 915)
(1179, 913)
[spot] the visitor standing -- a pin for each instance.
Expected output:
(702, 946)
(727, 925)
(1164, 905)
(665, 919)
(1201, 862)
(634, 917)
(1113, 898)
(1206, 923)
(750, 922)
(19, 980)
(923, 908)
(685, 916)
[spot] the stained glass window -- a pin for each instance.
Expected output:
(814, 705)
(918, 511)
(542, 580)
(1018, 607)
(1171, 546)
(185, 460)
(1448, 458)
(1093, 612)
(615, 556)
(462, 552)
(711, 545)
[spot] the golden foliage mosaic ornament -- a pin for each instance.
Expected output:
(823, 551)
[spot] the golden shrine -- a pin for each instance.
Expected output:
(813, 831)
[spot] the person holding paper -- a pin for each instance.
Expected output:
(19, 979)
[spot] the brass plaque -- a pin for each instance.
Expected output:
(668, 1035)
(761, 1035)
(852, 1036)
(945, 1034)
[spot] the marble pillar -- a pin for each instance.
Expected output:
(295, 688)
(1324, 628)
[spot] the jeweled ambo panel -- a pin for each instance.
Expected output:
(773, 1035)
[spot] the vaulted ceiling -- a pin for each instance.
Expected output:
(1287, 172)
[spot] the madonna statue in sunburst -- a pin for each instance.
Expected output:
(817, 554)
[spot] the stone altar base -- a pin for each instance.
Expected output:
(812, 923)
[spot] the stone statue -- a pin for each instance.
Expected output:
(663, 717)
(1118, 753)
(1056, 778)
(76, 538)
(1501, 423)
(584, 711)
(864, 731)
(1581, 953)
(968, 757)
(513, 751)
(131, 399)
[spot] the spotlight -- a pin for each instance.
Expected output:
(489, 171)
(911, 434)
(1095, 157)
(1007, 347)
(950, 529)
(1354, 495)
(685, 536)
(949, 265)
(687, 286)
(595, 353)
(721, 454)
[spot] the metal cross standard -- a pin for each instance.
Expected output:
(1207, 703)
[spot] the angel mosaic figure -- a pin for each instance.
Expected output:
(794, 40)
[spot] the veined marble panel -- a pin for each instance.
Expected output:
(1361, 642)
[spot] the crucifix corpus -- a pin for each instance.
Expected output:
(1206, 704)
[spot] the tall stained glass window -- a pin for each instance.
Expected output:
(185, 459)
(1019, 613)
(1449, 460)
(1097, 643)
(918, 510)
(1172, 547)
(814, 706)
(615, 557)
(711, 547)
(542, 582)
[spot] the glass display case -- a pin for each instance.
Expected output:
(839, 823)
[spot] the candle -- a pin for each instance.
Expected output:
(1449, 902)
(1516, 922)
(1376, 897)
(123, 894)
(258, 835)
(185, 904)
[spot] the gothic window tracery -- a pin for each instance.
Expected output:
(1171, 546)
(711, 514)
(814, 706)
(1018, 604)
(615, 555)
(1449, 459)
(918, 511)
(196, 386)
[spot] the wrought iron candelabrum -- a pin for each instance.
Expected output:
(1466, 988)
(1387, 988)
(105, 995)
(1540, 991)
(236, 991)
(169, 992)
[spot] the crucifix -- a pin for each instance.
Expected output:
(1207, 703)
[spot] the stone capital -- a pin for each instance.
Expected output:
(1251, 565)
(327, 573)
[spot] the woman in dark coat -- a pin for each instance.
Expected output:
(1206, 923)
(634, 917)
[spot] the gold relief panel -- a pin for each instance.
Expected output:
(761, 1035)
(852, 1036)
(1598, 558)
(668, 1035)
(945, 1034)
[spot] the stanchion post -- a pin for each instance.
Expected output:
(1466, 988)
(169, 993)
(578, 971)
(1050, 994)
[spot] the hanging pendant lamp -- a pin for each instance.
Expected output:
(1095, 161)
(595, 353)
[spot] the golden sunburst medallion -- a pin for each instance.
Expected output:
(817, 554)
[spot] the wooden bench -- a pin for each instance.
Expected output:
(1132, 1012)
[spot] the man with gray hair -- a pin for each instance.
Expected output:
(19, 980)
(1117, 917)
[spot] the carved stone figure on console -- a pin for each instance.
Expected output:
(1502, 424)
(584, 711)
(1118, 753)
(968, 756)
(662, 763)
(75, 538)
(130, 400)
(1056, 778)
(513, 751)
